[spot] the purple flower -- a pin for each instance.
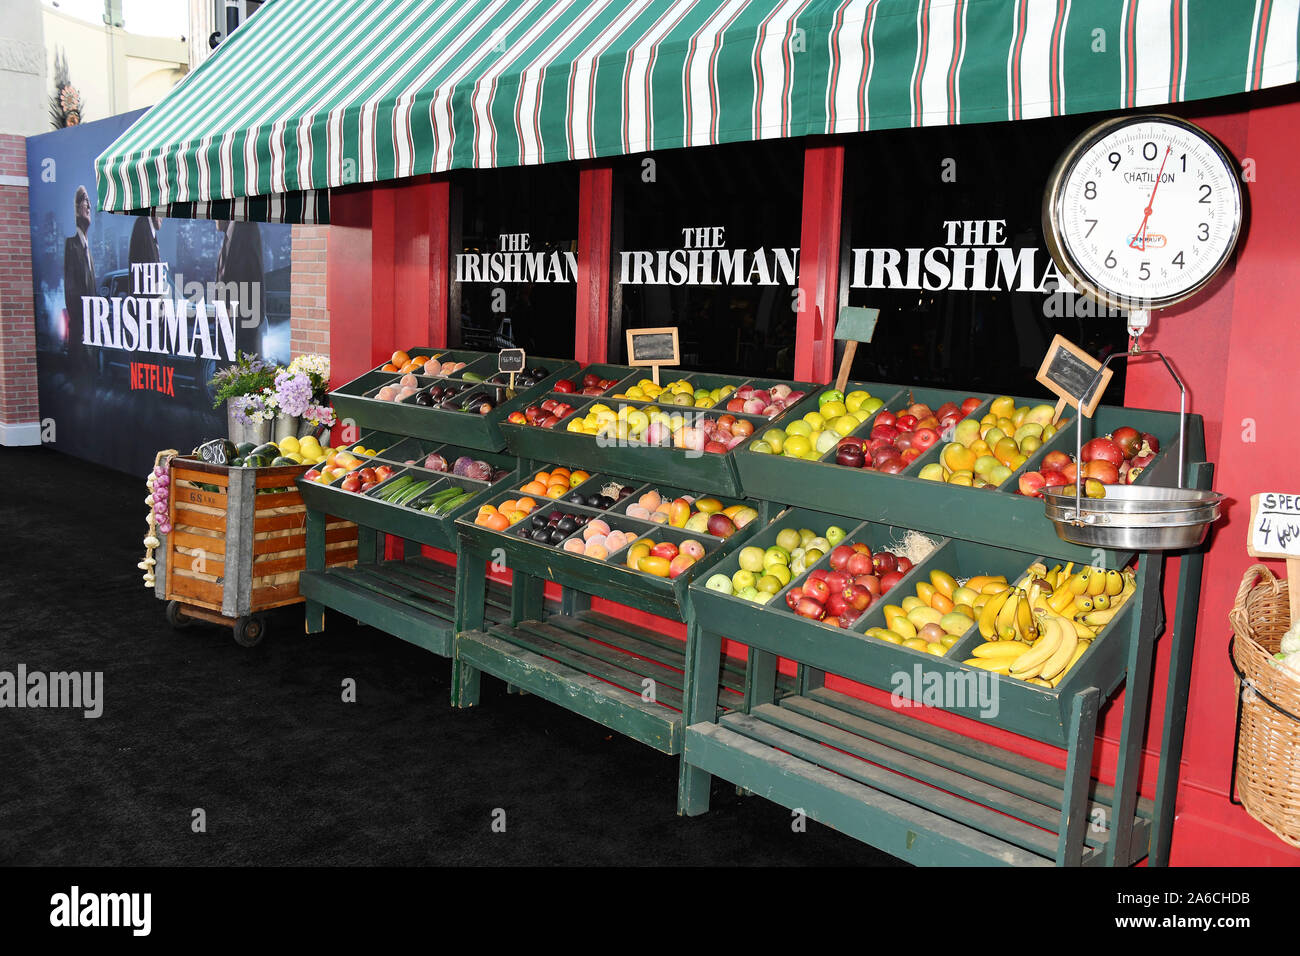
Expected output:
(293, 391)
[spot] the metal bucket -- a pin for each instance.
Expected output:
(1134, 517)
(259, 433)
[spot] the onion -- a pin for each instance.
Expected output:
(165, 528)
(159, 471)
(435, 462)
(162, 482)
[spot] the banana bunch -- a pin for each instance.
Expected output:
(1038, 627)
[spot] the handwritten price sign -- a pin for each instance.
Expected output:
(1275, 533)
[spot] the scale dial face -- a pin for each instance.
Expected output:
(1142, 211)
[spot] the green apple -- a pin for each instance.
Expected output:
(789, 539)
(812, 556)
(720, 583)
(769, 583)
(854, 399)
(775, 439)
(805, 536)
(762, 597)
(762, 447)
(826, 441)
(748, 593)
(872, 405)
(835, 534)
(743, 579)
(830, 395)
(820, 544)
(751, 559)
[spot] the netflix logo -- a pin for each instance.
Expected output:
(157, 378)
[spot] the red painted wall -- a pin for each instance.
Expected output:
(1233, 346)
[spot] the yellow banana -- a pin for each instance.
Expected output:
(1005, 651)
(1101, 602)
(1096, 581)
(1060, 658)
(1025, 626)
(1085, 631)
(994, 587)
(1006, 619)
(1083, 604)
(988, 616)
(1114, 582)
(1097, 619)
(1078, 652)
(1029, 663)
(1060, 598)
(996, 666)
(1065, 573)
(1039, 681)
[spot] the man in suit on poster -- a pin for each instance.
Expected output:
(239, 279)
(144, 240)
(78, 278)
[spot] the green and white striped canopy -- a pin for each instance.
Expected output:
(314, 94)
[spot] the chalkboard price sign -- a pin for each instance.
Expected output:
(1071, 373)
(653, 347)
(510, 360)
(219, 451)
(1274, 532)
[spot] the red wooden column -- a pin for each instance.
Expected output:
(595, 218)
(348, 281)
(438, 260)
(819, 262)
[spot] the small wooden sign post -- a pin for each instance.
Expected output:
(1071, 373)
(510, 361)
(855, 324)
(653, 347)
(1275, 533)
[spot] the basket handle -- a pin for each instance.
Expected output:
(1256, 574)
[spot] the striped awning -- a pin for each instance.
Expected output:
(314, 94)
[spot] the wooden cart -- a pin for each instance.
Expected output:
(236, 546)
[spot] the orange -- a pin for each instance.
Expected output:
(419, 360)
(497, 522)
(543, 476)
(486, 510)
(534, 488)
(560, 473)
(400, 358)
(525, 504)
(390, 367)
(508, 506)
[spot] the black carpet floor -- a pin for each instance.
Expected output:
(284, 771)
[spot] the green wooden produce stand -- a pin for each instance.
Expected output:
(923, 793)
(624, 676)
(410, 596)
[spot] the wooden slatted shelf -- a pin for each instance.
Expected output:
(923, 793)
(413, 598)
(597, 665)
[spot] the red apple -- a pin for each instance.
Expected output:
(925, 438)
(859, 563)
(971, 404)
(351, 483)
(910, 455)
(840, 555)
(1128, 439)
(792, 597)
(857, 597)
(1031, 484)
(869, 581)
(810, 609)
(907, 423)
(816, 589)
(889, 579)
(892, 466)
(884, 561)
(1055, 461)
(902, 564)
(818, 575)
(563, 385)
(836, 603)
(1102, 449)
(887, 432)
(1103, 471)
(850, 615)
(837, 581)
(1054, 479)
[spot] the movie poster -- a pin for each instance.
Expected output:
(134, 315)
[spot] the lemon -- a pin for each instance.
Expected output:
(832, 410)
(575, 425)
(288, 444)
(844, 424)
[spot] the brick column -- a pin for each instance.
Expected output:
(309, 326)
(19, 417)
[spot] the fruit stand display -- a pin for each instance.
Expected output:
(236, 539)
(429, 451)
(613, 417)
(630, 541)
(971, 578)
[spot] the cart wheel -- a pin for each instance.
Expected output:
(176, 617)
(249, 631)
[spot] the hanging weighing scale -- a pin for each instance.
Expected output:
(1140, 213)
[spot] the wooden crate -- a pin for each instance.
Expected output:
(234, 551)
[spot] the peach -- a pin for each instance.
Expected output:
(597, 551)
(593, 528)
(615, 541)
(597, 539)
(650, 500)
(574, 545)
(636, 511)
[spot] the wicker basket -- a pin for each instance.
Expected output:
(1267, 760)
